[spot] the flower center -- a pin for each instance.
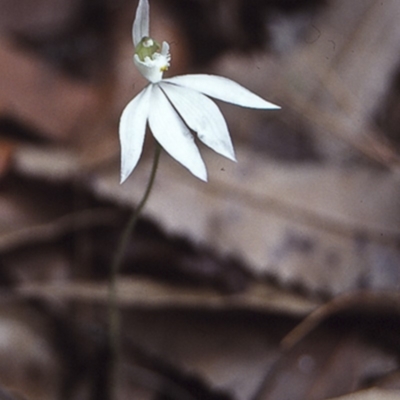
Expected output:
(152, 59)
(147, 47)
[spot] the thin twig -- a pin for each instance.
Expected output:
(364, 299)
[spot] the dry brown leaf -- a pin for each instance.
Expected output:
(38, 96)
(371, 394)
(317, 226)
(333, 361)
(29, 363)
(335, 80)
(39, 17)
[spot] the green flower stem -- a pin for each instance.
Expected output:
(113, 312)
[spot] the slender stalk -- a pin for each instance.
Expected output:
(113, 312)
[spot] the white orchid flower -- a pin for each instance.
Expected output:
(174, 106)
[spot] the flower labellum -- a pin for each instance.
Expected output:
(174, 106)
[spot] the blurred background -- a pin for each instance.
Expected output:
(303, 231)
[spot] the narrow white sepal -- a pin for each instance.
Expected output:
(132, 129)
(222, 89)
(202, 116)
(141, 25)
(173, 135)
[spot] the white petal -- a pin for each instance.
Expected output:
(132, 128)
(203, 116)
(141, 25)
(223, 89)
(173, 135)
